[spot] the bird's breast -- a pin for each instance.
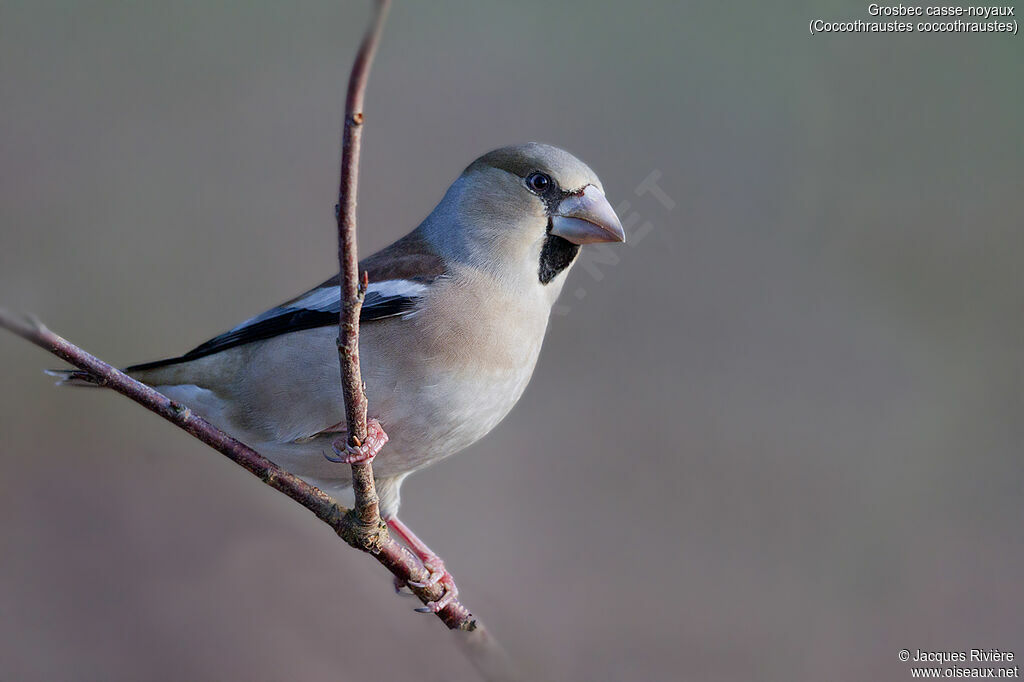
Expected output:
(464, 362)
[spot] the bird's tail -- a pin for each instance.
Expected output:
(73, 377)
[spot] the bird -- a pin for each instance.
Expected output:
(451, 327)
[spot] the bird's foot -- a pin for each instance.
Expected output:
(438, 574)
(365, 451)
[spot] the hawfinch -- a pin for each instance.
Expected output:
(451, 328)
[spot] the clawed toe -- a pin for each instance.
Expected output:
(438, 574)
(435, 567)
(346, 453)
(450, 593)
(437, 571)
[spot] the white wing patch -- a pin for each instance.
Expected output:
(318, 299)
(397, 287)
(328, 300)
(317, 308)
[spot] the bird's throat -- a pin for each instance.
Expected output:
(555, 256)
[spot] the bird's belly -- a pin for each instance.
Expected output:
(431, 396)
(445, 416)
(424, 424)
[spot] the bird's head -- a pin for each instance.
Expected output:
(522, 213)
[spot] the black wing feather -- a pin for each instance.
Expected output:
(283, 320)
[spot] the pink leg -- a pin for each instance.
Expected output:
(365, 452)
(431, 562)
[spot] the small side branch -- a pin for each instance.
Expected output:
(366, 528)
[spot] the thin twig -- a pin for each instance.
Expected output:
(476, 643)
(397, 559)
(368, 530)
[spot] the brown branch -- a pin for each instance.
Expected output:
(394, 557)
(367, 529)
(475, 641)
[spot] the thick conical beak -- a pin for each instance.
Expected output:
(587, 218)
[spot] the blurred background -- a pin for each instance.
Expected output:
(776, 436)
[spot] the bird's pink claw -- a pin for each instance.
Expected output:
(351, 454)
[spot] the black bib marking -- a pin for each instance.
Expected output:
(556, 255)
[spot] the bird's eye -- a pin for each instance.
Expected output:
(538, 182)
